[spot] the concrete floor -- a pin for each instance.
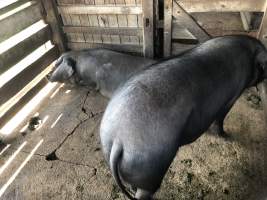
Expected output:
(210, 168)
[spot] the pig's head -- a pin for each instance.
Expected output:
(64, 70)
(261, 63)
(259, 67)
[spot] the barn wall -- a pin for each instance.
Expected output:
(113, 24)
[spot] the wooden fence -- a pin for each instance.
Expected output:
(26, 53)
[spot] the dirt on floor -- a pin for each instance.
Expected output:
(65, 159)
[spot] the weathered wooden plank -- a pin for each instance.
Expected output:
(7, 113)
(186, 21)
(113, 22)
(103, 22)
(84, 23)
(75, 21)
(12, 87)
(123, 22)
(223, 21)
(132, 22)
(167, 27)
(182, 35)
(86, 9)
(19, 20)
(53, 19)
(130, 2)
(148, 27)
(94, 22)
(22, 49)
(120, 2)
(99, 2)
(25, 93)
(5, 9)
(89, 2)
(246, 20)
(223, 5)
(262, 35)
(117, 47)
(104, 30)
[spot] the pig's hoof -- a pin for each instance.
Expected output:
(224, 135)
(219, 132)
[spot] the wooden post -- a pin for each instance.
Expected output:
(167, 27)
(148, 26)
(262, 35)
(53, 19)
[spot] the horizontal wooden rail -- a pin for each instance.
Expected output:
(9, 6)
(117, 47)
(12, 87)
(22, 49)
(222, 5)
(21, 102)
(94, 10)
(19, 20)
(105, 31)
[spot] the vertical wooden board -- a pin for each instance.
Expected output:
(53, 18)
(110, 2)
(123, 22)
(133, 23)
(140, 20)
(90, 2)
(148, 28)
(113, 22)
(85, 22)
(167, 27)
(120, 2)
(140, 25)
(94, 22)
(130, 2)
(59, 2)
(64, 20)
(77, 22)
(67, 20)
(88, 37)
(103, 22)
(79, 2)
(138, 2)
(72, 37)
(99, 2)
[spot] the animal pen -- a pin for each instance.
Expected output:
(61, 157)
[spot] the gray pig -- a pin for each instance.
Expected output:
(171, 104)
(102, 69)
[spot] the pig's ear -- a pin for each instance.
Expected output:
(261, 60)
(71, 65)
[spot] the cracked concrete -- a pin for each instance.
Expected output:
(211, 168)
